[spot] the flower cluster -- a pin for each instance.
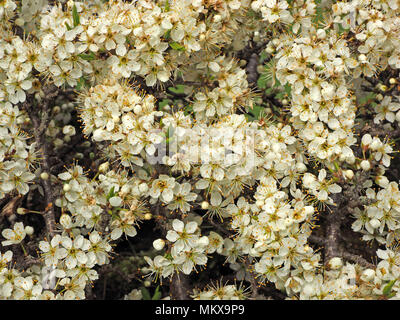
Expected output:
(235, 126)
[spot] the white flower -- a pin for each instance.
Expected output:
(163, 187)
(15, 235)
(182, 236)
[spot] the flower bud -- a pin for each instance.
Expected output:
(147, 283)
(321, 34)
(349, 174)
(205, 205)
(137, 109)
(44, 176)
(368, 275)
(69, 130)
(365, 165)
(22, 211)
(148, 216)
(66, 187)
(366, 139)
(29, 230)
(335, 263)
(158, 244)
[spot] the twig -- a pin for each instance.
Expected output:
(179, 287)
(358, 259)
(39, 128)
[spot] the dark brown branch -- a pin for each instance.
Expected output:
(39, 128)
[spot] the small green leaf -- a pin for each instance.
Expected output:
(179, 89)
(388, 288)
(68, 26)
(81, 83)
(145, 294)
(75, 16)
(167, 7)
(167, 35)
(262, 82)
(157, 294)
(288, 89)
(87, 56)
(177, 46)
(111, 193)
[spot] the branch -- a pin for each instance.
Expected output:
(39, 128)
(358, 259)
(179, 285)
(179, 288)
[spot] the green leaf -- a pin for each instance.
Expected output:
(167, 35)
(145, 293)
(262, 82)
(87, 56)
(157, 294)
(75, 16)
(179, 89)
(288, 89)
(68, 26)
(388, 288)
(81, 83)
(167, 6)
(111, 193)
(177, 46)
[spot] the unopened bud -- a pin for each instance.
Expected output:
(205, 205)
(158, 244)
(365, 165)
(44, 176)
(368, 275)
(22, 211)
(349, 174)
(148, 216)
(29, 230)
(69, 130)
(335, 263)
